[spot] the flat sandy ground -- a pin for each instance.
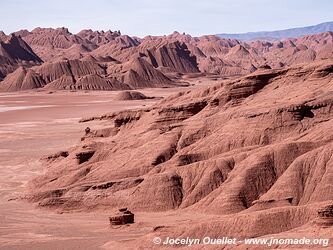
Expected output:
(34, 124)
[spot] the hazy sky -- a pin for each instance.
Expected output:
(156, 17)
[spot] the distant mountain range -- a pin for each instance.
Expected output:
(97, 60)
(280, 34)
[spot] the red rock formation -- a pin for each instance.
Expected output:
(172, 56)
(131, 95)
(142, 74)
(14, 52)
(22, 79)
(98, 37)
(53, 38)
(122, 217)
(175, 56)
(244, 145)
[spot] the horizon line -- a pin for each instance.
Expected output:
(175, 31)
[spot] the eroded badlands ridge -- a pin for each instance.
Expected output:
(251, 151)
(93, 60)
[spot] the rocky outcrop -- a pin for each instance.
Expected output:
(173, 55)
(73, 68)
(131, 95)
(325, 216)
(15, 52)
(22, 79)
(123, 217)
(84, 156)
(138, 73)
